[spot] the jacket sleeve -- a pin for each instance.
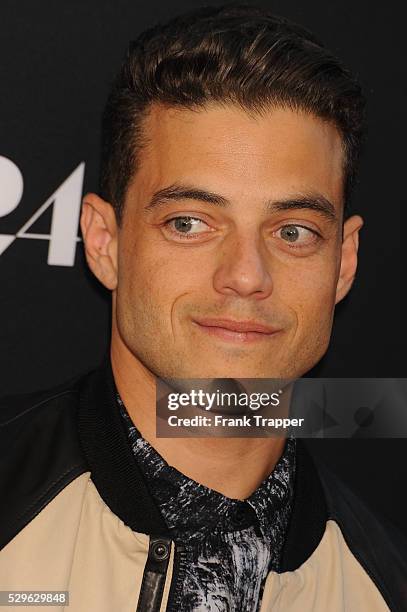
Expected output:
(375, 542)
(39, 455)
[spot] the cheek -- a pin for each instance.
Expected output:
(308, 289)
(151, 280)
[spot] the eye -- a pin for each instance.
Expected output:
(186, 225)
(297, 235)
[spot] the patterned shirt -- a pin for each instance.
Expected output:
(229, 545)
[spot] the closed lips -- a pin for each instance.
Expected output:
(237, 326)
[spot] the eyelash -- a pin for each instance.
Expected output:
(317, 235)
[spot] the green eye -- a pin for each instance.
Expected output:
(187, 225)
(183, 224)
(290, 233)
(298, 234)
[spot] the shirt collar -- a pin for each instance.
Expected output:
(194, 511)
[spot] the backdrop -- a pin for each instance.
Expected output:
(57, 62)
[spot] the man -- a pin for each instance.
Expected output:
(231, 140)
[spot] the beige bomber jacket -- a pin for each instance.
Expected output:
(76, 516)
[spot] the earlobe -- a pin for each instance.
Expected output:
(349, 256)
(99, 231)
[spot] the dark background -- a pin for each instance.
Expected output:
(57, 62)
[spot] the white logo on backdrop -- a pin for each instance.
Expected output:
(66, 201)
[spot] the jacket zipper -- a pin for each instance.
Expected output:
(178, 572)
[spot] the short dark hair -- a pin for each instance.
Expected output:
(237, 54)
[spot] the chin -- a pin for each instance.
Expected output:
(231, 372)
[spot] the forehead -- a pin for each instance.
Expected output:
(241, 155)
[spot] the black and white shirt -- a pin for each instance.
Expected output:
(230, 545)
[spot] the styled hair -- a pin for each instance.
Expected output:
(233, 54)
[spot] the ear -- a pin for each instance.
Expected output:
(349, 256)
(99, 230)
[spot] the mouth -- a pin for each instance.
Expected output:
(236, 331)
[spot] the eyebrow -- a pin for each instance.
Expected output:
(176, 192)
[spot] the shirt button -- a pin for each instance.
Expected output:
(239, 516)
(243, 515)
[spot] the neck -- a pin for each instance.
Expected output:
(234, 467)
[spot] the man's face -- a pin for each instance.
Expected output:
(234, 269)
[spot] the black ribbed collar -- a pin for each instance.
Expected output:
(120, 482)
(110, 457)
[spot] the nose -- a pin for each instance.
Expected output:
(244, 268)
